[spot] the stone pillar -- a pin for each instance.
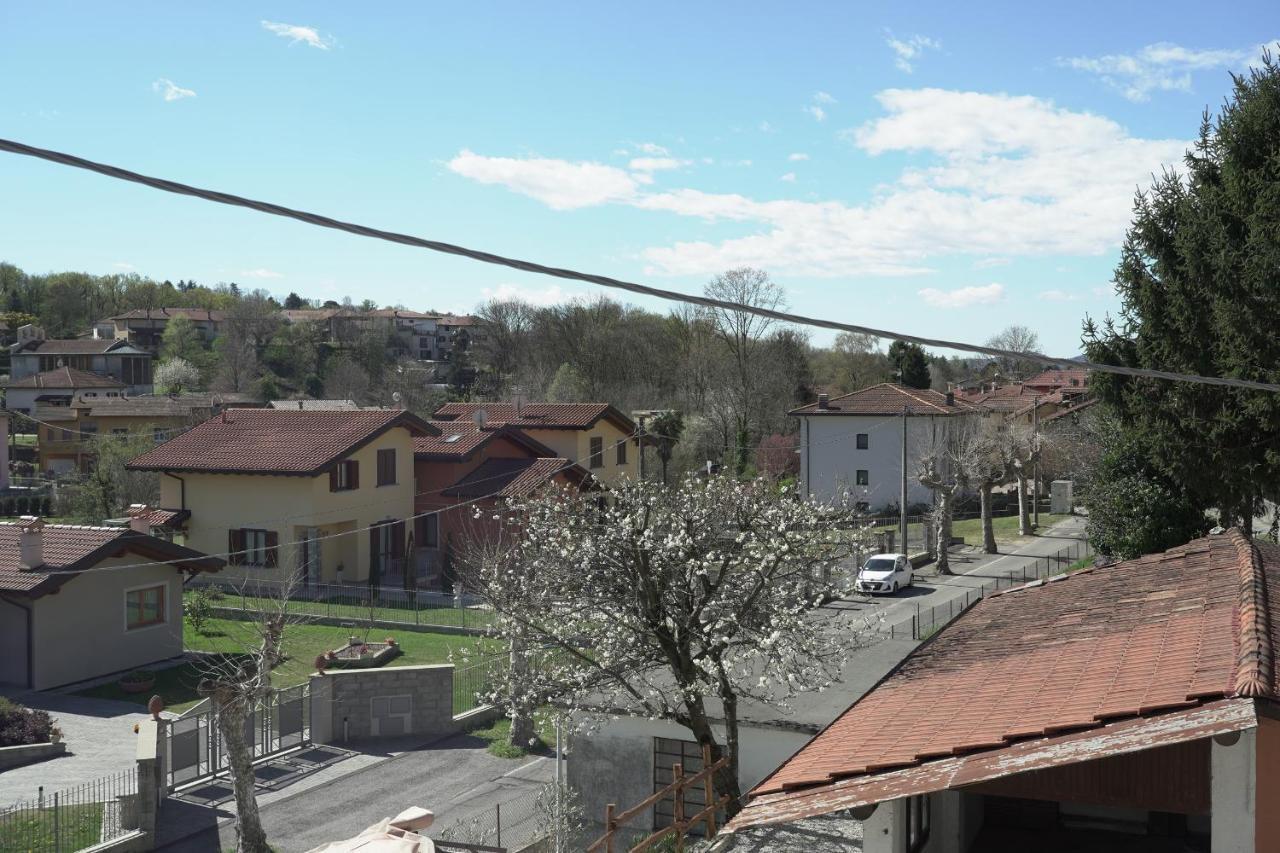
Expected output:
(1232, 792)
(151, 777)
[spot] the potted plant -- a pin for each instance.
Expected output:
(55, 735)
(391, 641)
(138, 681)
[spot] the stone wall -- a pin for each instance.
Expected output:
(414, 700)
(17, 756)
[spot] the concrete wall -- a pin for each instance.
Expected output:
(347, 697)
(830, 458)
(575, 445)
(13, 639)
(220, 502)
(20, 756)
(80, 632)
(614, 764)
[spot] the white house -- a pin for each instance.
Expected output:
(851, 447)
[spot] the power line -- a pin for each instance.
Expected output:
(603, 281)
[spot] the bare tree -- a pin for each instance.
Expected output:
(958, 452)
(1024, 450)
(1019, 339)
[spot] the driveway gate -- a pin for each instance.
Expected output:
(194, 749)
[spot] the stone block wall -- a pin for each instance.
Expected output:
(343, 701)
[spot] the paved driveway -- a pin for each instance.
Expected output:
(100, 742)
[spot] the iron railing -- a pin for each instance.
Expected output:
(73, 819)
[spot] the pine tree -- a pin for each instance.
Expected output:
(912, 364)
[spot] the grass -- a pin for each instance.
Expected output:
(77, 827)
(346, 607)
(1005, 527)
(498, 734)
(302, 643)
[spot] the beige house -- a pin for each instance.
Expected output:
(82, 602)
(321, 493)
(594, 435)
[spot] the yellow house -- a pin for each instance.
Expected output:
(595, 435)
(323, 494)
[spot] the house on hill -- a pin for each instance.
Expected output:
(144, 327)
(321, 493)
(56, 388)
(1131, 707)
(852, 447)
(127, 364)
(82, 602)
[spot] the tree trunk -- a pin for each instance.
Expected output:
(944, 532)
(522, 729)
(233, 713)
(988, 529)
(1024, 509)
(663, 459)
(725, 779)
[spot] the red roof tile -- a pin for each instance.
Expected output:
(71, 346)
(274, 441)
(459, 439)
(538, 415)
(512, 478)
(207, 314)
(1164, 631)
(66, 377)
(68, 547)
(889, 398)
(1069, 377)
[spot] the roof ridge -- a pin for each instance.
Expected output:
(910, 393)
(1254, 655)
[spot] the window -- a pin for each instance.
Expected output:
(863, 477)
(918, 822)
(160, 434)
(387, 467)
(622, 452)
(666, 754)
(428, 531)
(344, 476)
(49, 433)
(597, 452)
(89, 428)
(144, 607)
(862, 441)
(251, 547)
(64, 435)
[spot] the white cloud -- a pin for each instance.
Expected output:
(789, 177)
(170, 90)
(963, 297)
(765, 127)
(655, 164)
(995, 176)
(907, 51)
(652, 149)
(823, 98)
(1160, 67)
(124, 265)
(261, 272)
(797, 157)
(296, 33)
(988, 263)
(1058, 296)
(552, 294)
(816, 111)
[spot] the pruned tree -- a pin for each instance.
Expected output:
(1023, 449)
(665, 429)
(672, 603)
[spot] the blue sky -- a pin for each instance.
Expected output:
(923, 167)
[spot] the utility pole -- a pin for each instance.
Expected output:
(1035, 465)
(902, 501)
(640, 439)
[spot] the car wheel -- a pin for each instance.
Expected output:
(895, 588)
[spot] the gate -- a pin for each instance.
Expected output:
(194, 748)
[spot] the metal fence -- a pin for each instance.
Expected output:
(74, 819)
(354, 602)
(472, 682)
(510, 825)
(929, 619)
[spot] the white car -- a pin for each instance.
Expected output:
(886, 573)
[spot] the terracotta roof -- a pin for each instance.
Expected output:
(209, 314)
(66, 377)
(889, 398)
(538, 415)
(1062, 413)
(173, 518)
(182, 405)
(313, 405)
(274, 441)
(305, 315)
(459, 439)
(1167, 631)
(70, 547)
(510, 478)
(70, 346)
(1069, 377)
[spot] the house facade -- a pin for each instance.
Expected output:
(144, 327)
(851, 447)
(1129, 707)
(596, 436)
(57, 388)
(83, 602)
(34, 354)
(324, 494)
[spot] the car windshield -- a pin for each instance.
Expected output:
(879, 564)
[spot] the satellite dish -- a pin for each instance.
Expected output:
(395, 395)
(480, 417)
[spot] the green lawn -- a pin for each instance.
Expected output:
(177, 685)
(496, 736)
(1005, 527)
(349, 607)
(77, 827)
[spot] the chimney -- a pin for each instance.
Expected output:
(951, 398)
(30, 542)
(137, 519)
(823, 402)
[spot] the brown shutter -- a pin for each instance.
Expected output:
(235, 544)
(333, 479)
(355, 474)
(273, 545)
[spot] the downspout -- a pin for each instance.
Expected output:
(31, 646)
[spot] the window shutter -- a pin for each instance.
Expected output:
(397, 539)
(235, 544)
(374, 567)
(354, 468)
(273, 545)
(333, 479)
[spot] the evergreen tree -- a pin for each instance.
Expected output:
(1198, 279)
(912, 364)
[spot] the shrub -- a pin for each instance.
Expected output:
(20, 726)
(199, 608)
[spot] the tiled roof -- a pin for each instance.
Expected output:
(1069, 377)
(1166, 631)
(273, 441)
(537, 415)
(66, 377)
(1062, 413)
(208, 314)
(459, 439)
(182, 405)
(305, 315)
(71, 346)
(889, 398)
(314, 405)
(74, 548)
(509, 478)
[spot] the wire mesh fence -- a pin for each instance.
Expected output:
(473, 681)
(73, 819)
(512, 824)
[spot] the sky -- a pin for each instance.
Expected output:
(939, 169)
